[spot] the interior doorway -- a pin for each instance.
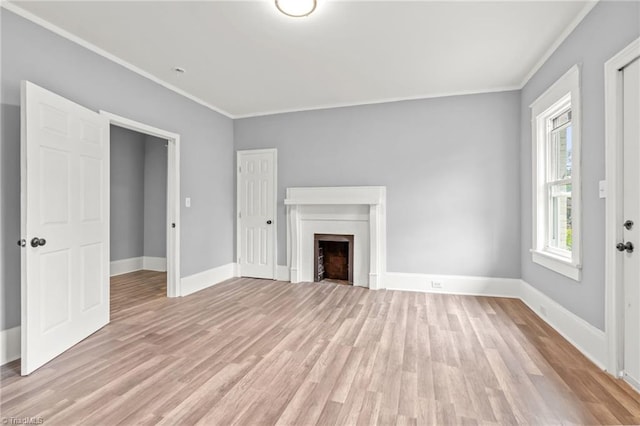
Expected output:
(138, 218)
(256, 206)
(65, 221)
(162, 146)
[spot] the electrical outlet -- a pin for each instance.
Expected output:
(543, 310)
(436, 284)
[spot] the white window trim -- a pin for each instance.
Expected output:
(566, 89)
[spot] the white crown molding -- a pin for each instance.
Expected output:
(561, 38)
(97, 50)
(379, 101)
(90, 46)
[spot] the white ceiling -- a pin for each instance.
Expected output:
(244, 58)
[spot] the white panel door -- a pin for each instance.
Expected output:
(257, 213)
(65, 224)
(631, 263)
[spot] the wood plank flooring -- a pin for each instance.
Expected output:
(258, 352)
(130, 290)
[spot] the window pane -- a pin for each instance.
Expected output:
(561, 120)
(560, 226)
(560, 153)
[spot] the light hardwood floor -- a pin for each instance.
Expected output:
(255, 352)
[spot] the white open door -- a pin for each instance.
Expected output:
(65, 224)
(257, 213)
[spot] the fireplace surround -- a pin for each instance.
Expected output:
(357, 211)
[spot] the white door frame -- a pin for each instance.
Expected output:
(173, 194)
(614, 320)
(275, 207)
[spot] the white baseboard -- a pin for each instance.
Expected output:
(585, 337)
(453, 284)
(208, 278)
(158, 264)
(10, 339)
(633, 382)
(124, 266)
(589, 340)
(282, 273)
(9, 345)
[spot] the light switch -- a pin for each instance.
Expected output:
(602, 189)
(187, 202)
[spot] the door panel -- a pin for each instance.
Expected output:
(65, 280)
(91, 258)
(90, 178)
(55, 186)
(256, 182)
(55, 270)
(631, 263)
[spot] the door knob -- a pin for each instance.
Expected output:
(628, 224)
(269, 222)
(37, 242)
(22, 243)
(628, 246)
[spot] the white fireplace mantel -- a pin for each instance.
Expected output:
(357, 210)
(375, 195)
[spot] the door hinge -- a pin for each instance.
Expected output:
(239, 169)
(239, 215)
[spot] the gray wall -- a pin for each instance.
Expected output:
(606, 30)
(127, 193)
(450, 166)
(30, 52)
(138, 195)
(155, 197)
(10, 218)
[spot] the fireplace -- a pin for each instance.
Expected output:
(333, 256)
(343, 210)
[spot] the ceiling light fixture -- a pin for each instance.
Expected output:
(296, 8)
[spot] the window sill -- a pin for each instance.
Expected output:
(557, 264)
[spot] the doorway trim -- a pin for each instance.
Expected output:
(173, 194)
(614, 320)
(274, 247)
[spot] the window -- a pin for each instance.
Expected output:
(556, 176)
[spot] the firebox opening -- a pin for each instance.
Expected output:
(333, 258)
